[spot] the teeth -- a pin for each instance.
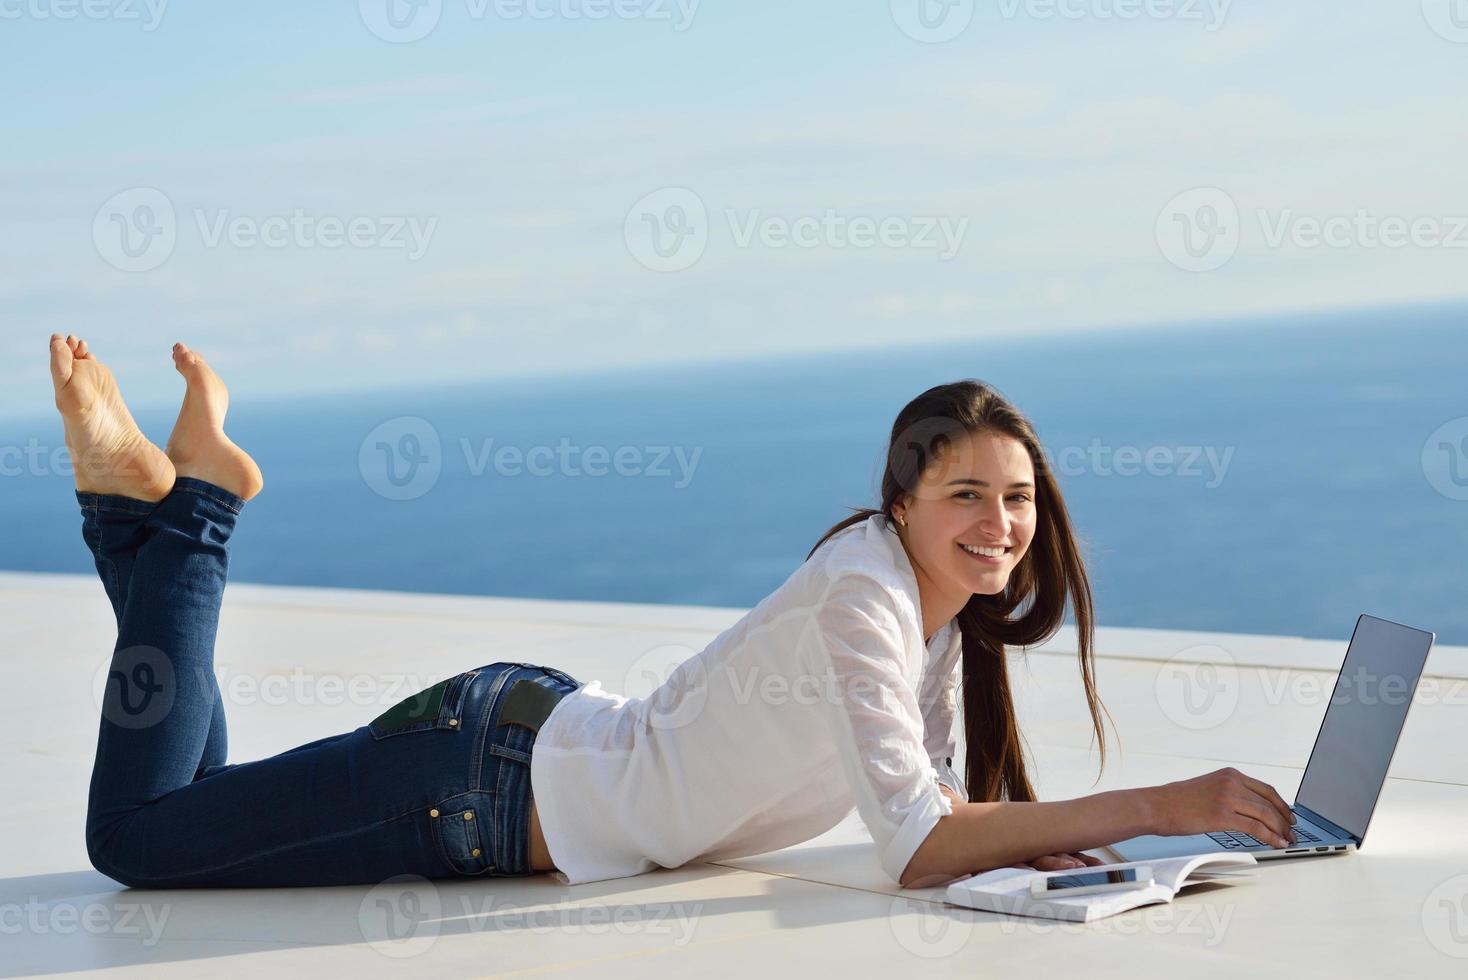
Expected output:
(987, 552)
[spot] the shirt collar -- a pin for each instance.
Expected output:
(880, 534)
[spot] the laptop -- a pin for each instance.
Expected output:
(1348, 764)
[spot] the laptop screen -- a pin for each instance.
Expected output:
(1362, 722)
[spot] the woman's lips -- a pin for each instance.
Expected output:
(984, 559)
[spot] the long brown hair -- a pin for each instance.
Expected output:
(1050, 572)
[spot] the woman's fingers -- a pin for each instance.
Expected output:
(1057, 862)
(1266, 792)
(1251, 824)
(1264, 813)
(1262, 831)
(1064, 861)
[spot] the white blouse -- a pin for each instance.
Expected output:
(821, 698)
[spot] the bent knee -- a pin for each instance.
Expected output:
(108, 858)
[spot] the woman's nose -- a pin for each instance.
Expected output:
(994, 519)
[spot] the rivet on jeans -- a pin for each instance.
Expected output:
(475, 852)
(469, 815)
(453, 722)
(433, 813)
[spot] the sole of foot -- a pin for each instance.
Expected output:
(198, 446)
(109, 453)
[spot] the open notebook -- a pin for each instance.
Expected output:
(1008, 889)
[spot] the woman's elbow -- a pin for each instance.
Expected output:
(926, 867)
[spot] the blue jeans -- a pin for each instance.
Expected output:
(432, 786)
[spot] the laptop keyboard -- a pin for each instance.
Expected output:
(1233, 839)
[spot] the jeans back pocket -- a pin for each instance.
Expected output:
(437, 706)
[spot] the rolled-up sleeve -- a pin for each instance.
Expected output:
(940, 711)
(877, 721)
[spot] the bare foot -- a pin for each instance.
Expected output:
(198, 446)
(109, 454)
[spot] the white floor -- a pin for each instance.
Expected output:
(298, 664)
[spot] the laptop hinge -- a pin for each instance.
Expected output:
(1325, 824)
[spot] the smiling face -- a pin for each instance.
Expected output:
(980, 494)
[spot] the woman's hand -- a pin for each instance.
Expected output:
(1224, 799)
(1058, 862)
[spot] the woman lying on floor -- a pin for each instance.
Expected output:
(840, 689)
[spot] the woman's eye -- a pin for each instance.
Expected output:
(1013, 496)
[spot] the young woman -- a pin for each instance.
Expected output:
(840, 689)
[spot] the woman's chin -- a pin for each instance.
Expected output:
(987, 583)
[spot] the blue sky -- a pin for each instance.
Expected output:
(1054, 138)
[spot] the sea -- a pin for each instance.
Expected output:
(1277, 474)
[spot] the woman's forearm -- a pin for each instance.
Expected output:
(978, 837)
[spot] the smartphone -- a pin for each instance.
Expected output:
(1090, 882)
